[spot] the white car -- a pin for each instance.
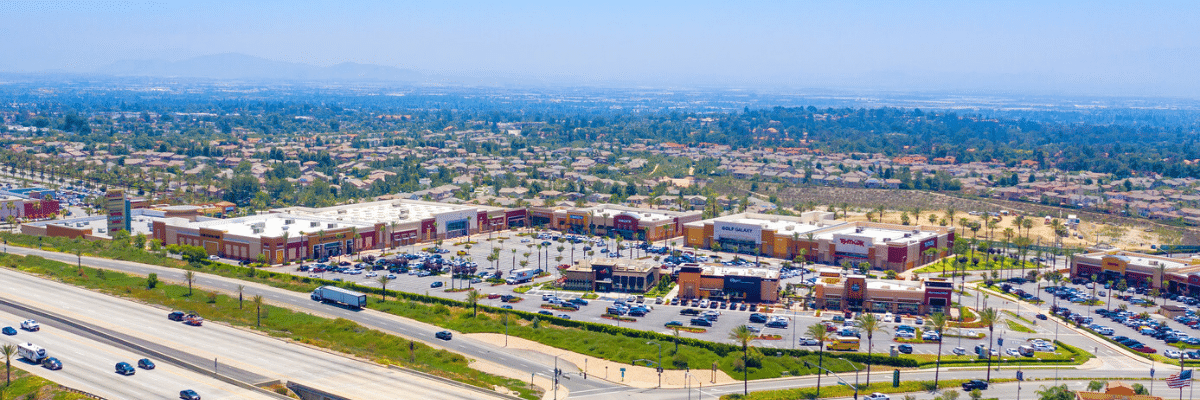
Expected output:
(876, 396)
(1012, 352)
(372, 274)
(30, 325)
(958, 351)
(905, 335)
(1172, 353)
(807, 341)
(214, 258)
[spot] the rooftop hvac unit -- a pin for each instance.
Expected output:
(789, 228)
(858, 230)
(916, 231)
(1154, 263)
(257, 229)
(331, 225)
(907, 235)
(314, 224)
(285, 227)
(341, 211)
(289, 221)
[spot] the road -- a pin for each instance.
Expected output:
(538, 364)
(230, 348)
(88, 365)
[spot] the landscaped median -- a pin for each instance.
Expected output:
(836, 390)
(339, 335)
(28, 386)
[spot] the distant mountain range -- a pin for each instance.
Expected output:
(241, 66)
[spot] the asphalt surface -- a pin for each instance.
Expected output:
(227, 349)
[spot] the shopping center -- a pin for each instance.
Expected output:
(1179, 275)
(410, 221)
(819, 238)
(630, 223)
(740, 284)
(835, 291)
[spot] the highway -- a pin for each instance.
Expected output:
(88, 365)
(232, 350)
(540, 364)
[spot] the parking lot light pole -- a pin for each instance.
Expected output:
(660, 367)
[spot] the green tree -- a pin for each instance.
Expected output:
(817, 331)
(473, 297)
(258, 304)
(383, 281)
(988, 317)
(743, 335)
(869, 325)
(190, 277)
(151, 280)
(1096, 386)
(9, 351)
(1059, 392)
(938, 321)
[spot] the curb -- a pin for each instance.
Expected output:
(453, 382)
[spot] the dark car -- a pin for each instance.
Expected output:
(905, 348)
(189, 395)
(898, 320)
(506, 307)
(124, 368)
(758, 318)
(8, 330)
(436, 284)
(701, 322)
(544, 312)
(690, 311)
(145, 363)
(674, 323)
(52, 363)
(974, 384)
(175, 316)
(444, 335)
(1041, 317)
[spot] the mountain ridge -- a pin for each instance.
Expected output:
(242, 66)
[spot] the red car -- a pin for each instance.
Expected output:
(1145, 349)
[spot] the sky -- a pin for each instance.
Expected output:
(1071, 47)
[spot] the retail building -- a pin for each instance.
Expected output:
(631, 223)
(835, 291)
(716, 281)
(1174, 275)
(611, 275)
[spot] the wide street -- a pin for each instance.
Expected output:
(253, 357)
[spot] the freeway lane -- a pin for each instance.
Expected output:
(88, 366)
(526, 362)
(258, 354)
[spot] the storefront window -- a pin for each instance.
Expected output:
(906, 308)
(879, 306)
(833, 303)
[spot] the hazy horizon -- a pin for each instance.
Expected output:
(1090, 48)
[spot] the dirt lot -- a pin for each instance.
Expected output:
(1122, 232)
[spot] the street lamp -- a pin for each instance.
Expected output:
(835, 375)
(660, 367)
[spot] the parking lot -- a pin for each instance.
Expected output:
(1091, 316)
(659, 315)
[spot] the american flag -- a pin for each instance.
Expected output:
(1181, 379)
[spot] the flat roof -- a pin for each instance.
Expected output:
(384, 211)
(1145, 260)
(725, 270)
(646, 215)
(880, 235)
(274, 224)
(785, 225)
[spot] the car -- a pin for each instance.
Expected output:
(1012, 352)
(1172, 353)
(974, 384)
(8, 330)
(506, 307)
(436, 284)
(145, 363)
(905, 334)
(905, 348)
(176, 316)
(701, 322)
(1041, 317)
(959, 351)
(758, 318)
(897, 319)
(51, 363)
(124, 368)
(30, 325)
(545, 312)
(876, 396)
(564, 316)
(444, 335)
(189, 394)
(214, 258)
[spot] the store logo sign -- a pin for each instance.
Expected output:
(856, 242)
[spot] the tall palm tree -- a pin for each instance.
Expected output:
(473, 297)
(190, 277)
(869, 324)
(383, 281)
(258, 303)
(743, 336)
(938, 322)
(988, 317)
(9, 351)
(817, 331)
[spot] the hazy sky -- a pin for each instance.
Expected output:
(1078, 47)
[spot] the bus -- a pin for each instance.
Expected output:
(847, 343)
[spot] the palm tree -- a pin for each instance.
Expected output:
(258, 303)
(988, 317)
(240, 290)
(938, 322)
(9, 351)
(817, 331)
(743, 335)
(190, 277)
(473, 297)
(869, 324)
(383, 281)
